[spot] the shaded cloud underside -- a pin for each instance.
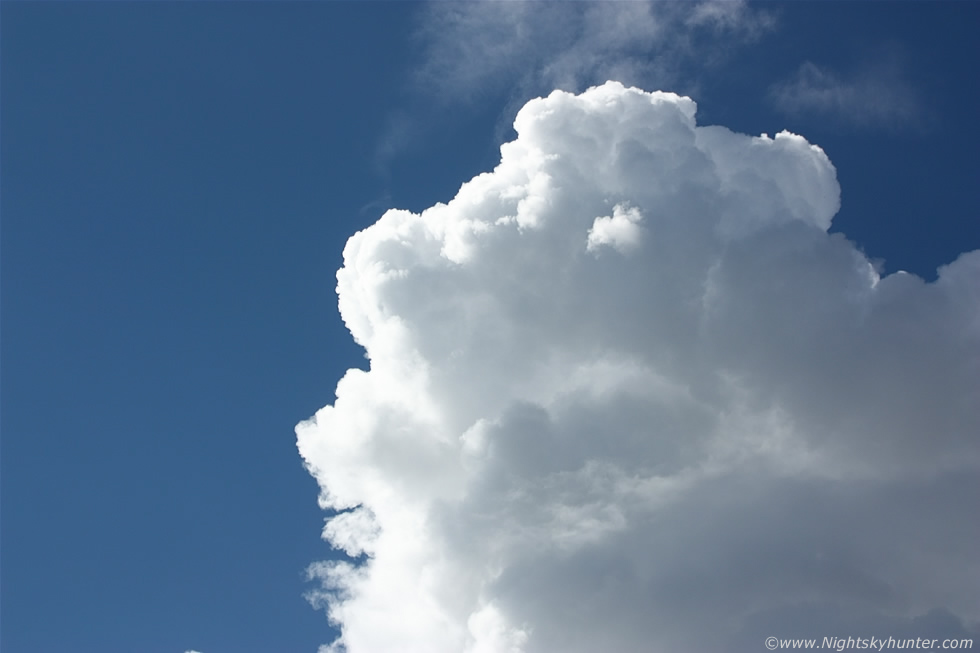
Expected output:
(627, 393)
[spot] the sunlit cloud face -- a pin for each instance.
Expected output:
(627, 393)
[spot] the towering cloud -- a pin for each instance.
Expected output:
(627, 393)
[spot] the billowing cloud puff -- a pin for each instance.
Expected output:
(621, 230)
(627, 393)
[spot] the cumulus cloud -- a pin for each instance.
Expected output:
(877, 95)
(621, 230)
(627, 393)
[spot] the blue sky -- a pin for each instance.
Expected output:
(178, 183)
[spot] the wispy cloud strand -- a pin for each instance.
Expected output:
(509, 52)
(876, 96)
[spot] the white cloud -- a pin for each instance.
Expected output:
(877, 95)
(621, 230)
(734, 430)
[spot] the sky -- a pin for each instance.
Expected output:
(585, 326)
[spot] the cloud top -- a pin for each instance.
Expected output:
(626, 392)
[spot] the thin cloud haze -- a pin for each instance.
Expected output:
(878, 95)
(471, 52)
(470, 46)
(626, 392)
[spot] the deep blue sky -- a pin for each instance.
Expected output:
(177, 182)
